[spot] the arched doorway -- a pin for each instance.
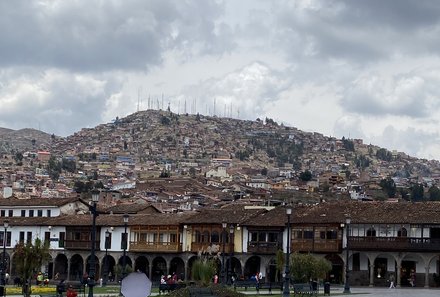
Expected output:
(189, 268)
(235, 267)
(177, 266)
(159, 268)
(142, 264)
(108, 268)
(76, 267)
(273, 275)
(128, 266)
(335, 275)
(60, 266)
(252, 266)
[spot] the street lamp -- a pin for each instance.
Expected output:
(124, 260)
(93, 210)
(107, 239)
(286, 289)
(347, 248)
(231, 250)
(223, 274)
(4, 264)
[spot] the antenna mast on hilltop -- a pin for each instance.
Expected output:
(214, 107)
(149, 101)
(162, 100)
(139, 90)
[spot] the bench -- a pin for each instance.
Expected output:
(269, 286)
(305, 290)
(201, 292)
(170, 287)
(245, 284)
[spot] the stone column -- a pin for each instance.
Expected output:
(398, 277)
(427, 277)
(371, 275)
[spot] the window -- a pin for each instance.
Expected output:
(273, 237)
(254, 236)
(197, 236)
(28, 237)
(124, 241)
(173, 237)
(23, 213)
(11, 213)
(214, 237)
(205, 236)
(48, 213)
(108, 241)
(308, 234)
(8, 238)
(40, 213)
(2, 212)
(371, 232)
(47, 236)
(402, 232)
(62, 238)
(262, 236)
(329, 234)
(31, 213)
(77, 236)
(21, 238)
(299, 234)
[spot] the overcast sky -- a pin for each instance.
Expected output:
(359, 69)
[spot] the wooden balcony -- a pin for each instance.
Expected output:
(263, 247)
(80, 244)
(203, 246)
(317, 246)
(165, 247)
(393, 243)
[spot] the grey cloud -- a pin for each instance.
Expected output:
(359, 31)
(105, 35)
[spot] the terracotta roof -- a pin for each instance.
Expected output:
(375, 212)
(131, 208)
(231, 215)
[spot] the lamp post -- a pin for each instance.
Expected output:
(286, 289)
(4, 264)
(124, 260)
(107, 238)
(347, 248)
(93, 210)
(223, 274)
(231, 250)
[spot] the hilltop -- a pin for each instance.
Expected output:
(23, 140)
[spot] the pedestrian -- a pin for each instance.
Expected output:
(71, 292)
(392, 286)
(61, 288)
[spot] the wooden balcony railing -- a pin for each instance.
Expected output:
(317, 246)
(394, 243)
(80, 244)
(263, 247)
(155, 247)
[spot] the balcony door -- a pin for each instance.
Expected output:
(435, 234)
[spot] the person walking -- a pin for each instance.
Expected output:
(392, 286)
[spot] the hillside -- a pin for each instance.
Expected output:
(148, 143)
(23, 140)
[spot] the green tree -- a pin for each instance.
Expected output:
(388, 186)
(280, 262)
(434, 193)
(304, 267)
(305, 175)
(203, 271)
(417, 192)
(54, 168)
(30, 257)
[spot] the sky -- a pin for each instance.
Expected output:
(354, 68)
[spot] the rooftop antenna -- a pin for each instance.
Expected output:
(214, 106)
(139, 90)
